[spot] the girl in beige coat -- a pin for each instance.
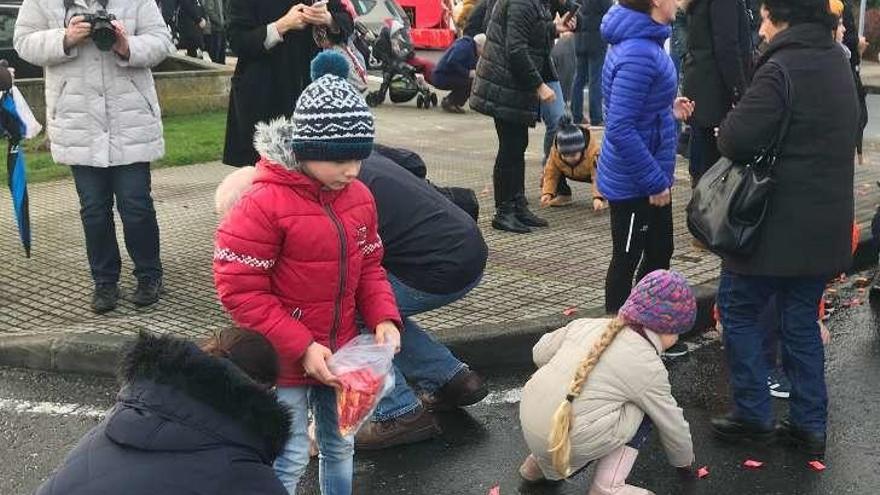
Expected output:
(601, 387)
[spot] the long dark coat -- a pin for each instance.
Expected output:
(717, 64)
(267, 83)
(808, 227)
(189, 14)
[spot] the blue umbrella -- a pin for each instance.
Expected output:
(12, 125)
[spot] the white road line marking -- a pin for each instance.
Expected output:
(50, 408)
(510, 396)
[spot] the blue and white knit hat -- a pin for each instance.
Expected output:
(331, 120)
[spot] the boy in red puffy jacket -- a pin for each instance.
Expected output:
(299, 255)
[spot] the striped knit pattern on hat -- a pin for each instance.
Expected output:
(662, 302)
(332, 122)
(570, 139)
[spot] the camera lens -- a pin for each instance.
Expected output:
(103, 35)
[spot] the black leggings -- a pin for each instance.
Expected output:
(510, 163)
(641, 237)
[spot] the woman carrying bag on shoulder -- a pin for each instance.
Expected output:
(805, 234)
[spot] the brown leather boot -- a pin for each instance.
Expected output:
(414, 427)
(466, 388)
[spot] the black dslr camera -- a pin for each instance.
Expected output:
(103, 33)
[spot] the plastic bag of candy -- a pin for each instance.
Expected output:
(364, 369)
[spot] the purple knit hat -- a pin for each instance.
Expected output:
(662, 302)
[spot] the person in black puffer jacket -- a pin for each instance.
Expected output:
(187, 421)
(512, 78)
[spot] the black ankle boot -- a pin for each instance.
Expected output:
(506, 219)
(808, 442)
(525, 216)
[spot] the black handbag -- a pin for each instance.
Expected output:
(729, 203)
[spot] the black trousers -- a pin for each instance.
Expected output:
(703, 152)
(641, 237)
(215, 44)
(508, 176)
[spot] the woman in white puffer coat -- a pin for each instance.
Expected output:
(103, 119)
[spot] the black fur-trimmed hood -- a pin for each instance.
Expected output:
(195, 399)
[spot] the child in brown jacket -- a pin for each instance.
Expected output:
(573, 156)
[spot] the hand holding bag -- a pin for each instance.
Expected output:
(729, 203)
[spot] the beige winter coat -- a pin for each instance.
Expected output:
(629, 381)
(101, 110)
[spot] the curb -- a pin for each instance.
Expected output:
(489, 346)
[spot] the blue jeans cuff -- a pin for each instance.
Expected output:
(458, 369)
(381, 418)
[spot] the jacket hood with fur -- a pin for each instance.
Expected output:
(273, 141)
(177, 398)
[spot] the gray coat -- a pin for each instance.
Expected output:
(628, 382)
(101, 110)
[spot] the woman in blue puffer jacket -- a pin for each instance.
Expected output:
(637, 162)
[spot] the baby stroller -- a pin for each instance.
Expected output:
(392, 48)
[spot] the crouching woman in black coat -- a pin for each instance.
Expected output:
(188, 420)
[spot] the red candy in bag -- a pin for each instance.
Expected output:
(360, 392)
(363, 369)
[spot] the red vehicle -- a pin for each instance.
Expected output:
(431, 23)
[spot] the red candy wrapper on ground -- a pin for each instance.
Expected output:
(495, 490)
(363, 369)
(753, 464)
(703, 472)
(817, 466)
(569, 311)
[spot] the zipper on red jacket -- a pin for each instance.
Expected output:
(343, 269)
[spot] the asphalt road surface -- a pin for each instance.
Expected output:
(42, 416)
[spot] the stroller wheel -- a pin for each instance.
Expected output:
(434, 100)
(420, 101)
(373, 99)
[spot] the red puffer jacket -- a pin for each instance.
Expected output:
(295, 262)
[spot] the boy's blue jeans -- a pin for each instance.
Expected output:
(335, 461)
(422, 361)
(741, 299)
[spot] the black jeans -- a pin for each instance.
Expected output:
(130, 185)
(508, 176)
(703, 152)
(215, 45)
(641, 237)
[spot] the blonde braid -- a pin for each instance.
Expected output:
(559, 440)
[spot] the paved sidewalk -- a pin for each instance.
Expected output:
(528, 276)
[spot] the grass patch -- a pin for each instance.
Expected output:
(189, 139)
